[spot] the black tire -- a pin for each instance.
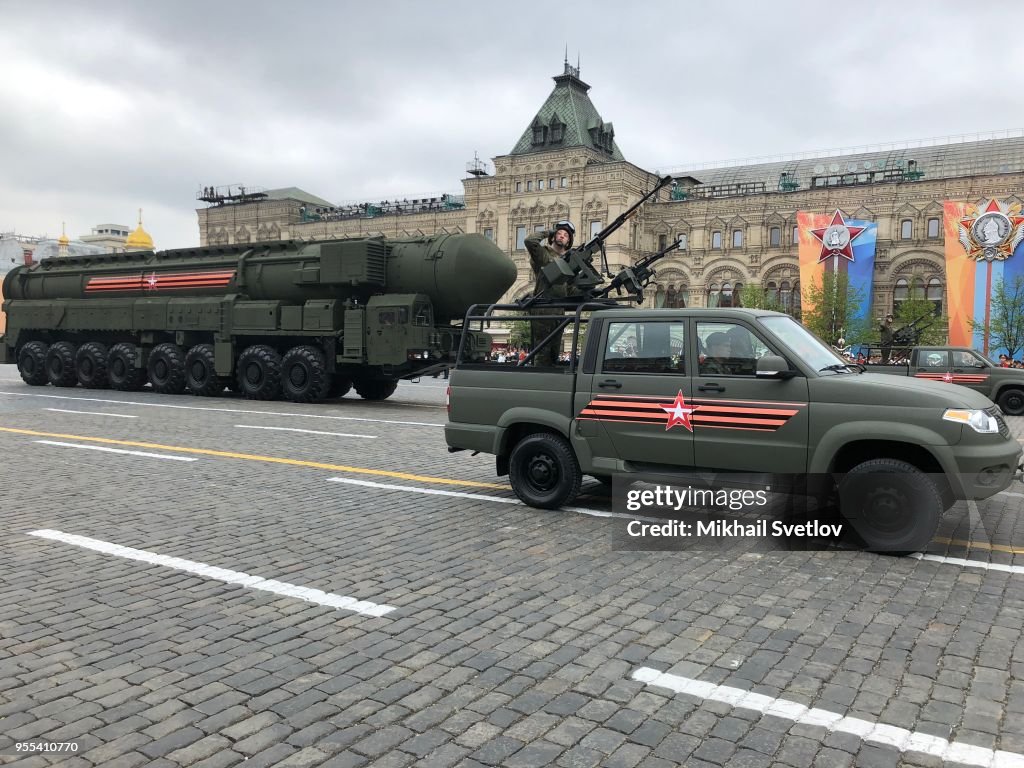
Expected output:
(91, 365)
(200, 372)
(32, 363)
(376, 389)
(304, 376)
(60, 364)
(544, 471)
(340, 386)
(123, 370)
(259, 373)
(166, 369)
(891, 505)
(1011, 402)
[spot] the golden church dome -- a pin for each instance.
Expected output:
(139, 239)
(63, 239)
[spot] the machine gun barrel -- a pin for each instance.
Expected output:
(635, 278)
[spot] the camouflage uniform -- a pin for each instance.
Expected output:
(542, 254)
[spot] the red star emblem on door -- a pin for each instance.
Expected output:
(679, 412)
(947, 377)
(151, 282)
(837, 238)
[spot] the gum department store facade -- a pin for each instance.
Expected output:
(737, 222)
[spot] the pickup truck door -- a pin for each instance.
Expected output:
(639, 400)
(744, 423)
(931, 364)
(970, 370)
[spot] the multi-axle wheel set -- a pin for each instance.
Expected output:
(261, 372)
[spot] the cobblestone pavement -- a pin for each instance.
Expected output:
(517, 637)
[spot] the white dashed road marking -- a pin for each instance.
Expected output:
(970, 563)
(876, 733)
(236, 410)
(482, 497)
(116, 450)
(220, 574)
(94, 413)
(305, 431)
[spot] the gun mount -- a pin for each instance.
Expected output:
(576, 268)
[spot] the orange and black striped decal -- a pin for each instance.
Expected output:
(161, 281)
(954, 378)
(753, 415)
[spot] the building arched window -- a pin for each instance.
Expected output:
(786, 296)
(774, 237)
(716, 240)
(726, 295)
(934, 294)
(714, 295)
(771, 292)
(906, 229)
(796, 299)
(900, 293)
(737, 238)
(736, 291)
(917, 288)
(681, 237)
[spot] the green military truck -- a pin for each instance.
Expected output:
(293, 319)
(964, 366)
(666, 391)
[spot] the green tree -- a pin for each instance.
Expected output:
(754, 296)
(834, 306)
(1006, 317)
(519, 334)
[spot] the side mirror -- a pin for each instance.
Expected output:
(774, 367)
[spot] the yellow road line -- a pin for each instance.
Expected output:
(982, 545)
(255, 457)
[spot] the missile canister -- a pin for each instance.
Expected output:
(300, 319)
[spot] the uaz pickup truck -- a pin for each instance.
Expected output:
(731, 390)
(964, 366)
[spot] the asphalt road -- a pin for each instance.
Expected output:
(211, 582)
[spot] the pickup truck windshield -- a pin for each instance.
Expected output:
(803, 342)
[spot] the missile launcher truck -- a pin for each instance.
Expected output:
(300, 320)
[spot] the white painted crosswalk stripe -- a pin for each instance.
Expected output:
(876, 733)
(220, 574)
(104, 449)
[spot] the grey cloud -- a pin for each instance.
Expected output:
(391, 99)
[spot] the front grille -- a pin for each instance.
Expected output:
(1004, 428)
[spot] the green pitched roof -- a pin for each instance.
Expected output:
(294, 193)
(568, 119)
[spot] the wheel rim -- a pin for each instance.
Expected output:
(297, 376)
(85, 367)
(29, 365)
(1015, 402)
(542, 472)
(253, 374)
(56, 367)
(887, 509)
(160, 370)
(198, 371)
(118, 368)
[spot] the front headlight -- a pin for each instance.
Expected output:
(979, 421)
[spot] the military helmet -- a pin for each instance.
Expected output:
(568, 227)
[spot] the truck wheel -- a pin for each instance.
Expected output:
(167, 369)
(1011, 401)
(60, 364)
(893, 506)
(122, 370)
(200, 373)
(376, 389)
(304, 377)
(340, 385)
(32, 363)
(544, 471)
(259, 372)
(91, 365)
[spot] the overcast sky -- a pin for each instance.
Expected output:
(108, 107)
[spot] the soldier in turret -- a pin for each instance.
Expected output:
(887, 333)
(558, 242)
